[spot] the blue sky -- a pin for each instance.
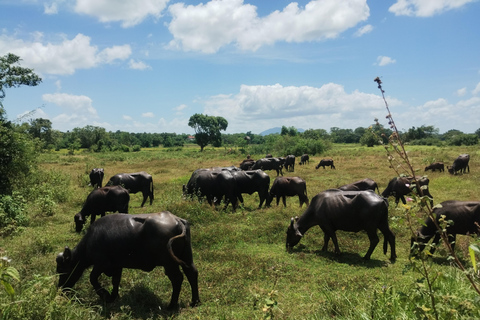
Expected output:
(148, 65)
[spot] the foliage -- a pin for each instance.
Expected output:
(207, 129)
(13, 76)
(8, 274)
(12, 213)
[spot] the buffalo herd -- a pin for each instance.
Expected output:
(144, 241)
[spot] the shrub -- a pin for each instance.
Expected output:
(12, 213)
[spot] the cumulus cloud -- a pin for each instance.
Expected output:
(302, 107)
(363, 30)
(425, 8)
(476, 90)
(461, 92)
(148, 115)
(383, 61)
(129, 13)
(138, 65)
(208, 27)
(77, 110)
(128, 118)
(64, 57)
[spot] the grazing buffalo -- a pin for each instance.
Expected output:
(99, 201)
(288, 186)
(252, 181)
(304, 159)
(436, 166)
(213, 184)
(399, 187)
(140, 241)
(325, 163)
(247, 164)
(460, 164)
(290, 163)
(270, 164)
(96, 177)
(348, 211)
(464, 217)
(365, 184)
(135, 182)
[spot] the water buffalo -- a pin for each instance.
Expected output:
(213, 184)
(304, 159)
(290, 163)
(270, 164)
(365, 184)
(140, 241)
(465, 216)
(348, 211)
(252, 181)
(399, 187)
(460, 164)
(247, 164)
(288, 186)
(96, 177)
(135, 182)
(436, 166)
(325, 163)
(99, 201)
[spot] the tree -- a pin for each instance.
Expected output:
(13, 76)
(41, 129)
(207, 129)
(17, 156)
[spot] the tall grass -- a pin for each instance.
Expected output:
(244, 269)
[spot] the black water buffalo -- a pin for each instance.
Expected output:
(464, 217)
(460, 164)
(213, 184)
(288, 186)
(365, 184)
(352, 211)
(247, 164)
(436, 166)
(100, 201)
(251, 181)
(270, 164)
(140, 241)
(290, 163)
(304, 159)
(399, 187)
(96, 177)
(135, 182)
(325, 163)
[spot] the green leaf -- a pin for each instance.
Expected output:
(12, 272)
(472, 249)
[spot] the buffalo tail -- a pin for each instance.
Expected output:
(169, 245)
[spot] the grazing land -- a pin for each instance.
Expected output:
(244, 269)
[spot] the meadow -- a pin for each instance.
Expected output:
(244, 269)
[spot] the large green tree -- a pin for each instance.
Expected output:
(207, 129)
(16, 150)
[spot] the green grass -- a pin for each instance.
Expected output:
(241, 256)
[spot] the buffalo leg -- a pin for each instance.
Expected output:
(176, 278)
(192, 276)
(435, 242)
(94, 275)
(284, 200)
(278, 200)
(116, 276)
(145, 197)
(373, 237)
(326, 239)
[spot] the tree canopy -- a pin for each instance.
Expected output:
(207, 129)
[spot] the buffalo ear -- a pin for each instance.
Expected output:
(291, 222)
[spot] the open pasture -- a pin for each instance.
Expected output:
(244, 269)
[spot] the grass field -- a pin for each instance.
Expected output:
(244, 269)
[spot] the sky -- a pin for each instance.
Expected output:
(149, 65)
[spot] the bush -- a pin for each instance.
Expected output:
(12, 213)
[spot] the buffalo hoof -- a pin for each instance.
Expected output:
(195, 303)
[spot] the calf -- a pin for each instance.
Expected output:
(96, 177)
(325, 163)
(436, 166)
(288, 186)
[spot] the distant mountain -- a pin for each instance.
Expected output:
(276, 130)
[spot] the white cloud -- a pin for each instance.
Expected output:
(425, 8)
(383, 61)
(62, 58)
(78, 110)
(476, 90)
(208, 27)
(130, 13)
(128, 118)
(363, 30)
(461, 92)
(148, 115)
(138, 65)
(50, 9)
(303, 107)
(58, 84)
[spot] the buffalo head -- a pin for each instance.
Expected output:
(293, 235)
(65, 268)
(79, 222)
